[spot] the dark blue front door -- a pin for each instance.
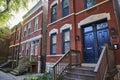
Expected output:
(95, 36)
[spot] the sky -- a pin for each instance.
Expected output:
(18, 16)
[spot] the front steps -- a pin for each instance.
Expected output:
(80, 73)
(15, 72)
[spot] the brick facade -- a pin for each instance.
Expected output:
(78, 17)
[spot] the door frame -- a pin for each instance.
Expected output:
(82, 33)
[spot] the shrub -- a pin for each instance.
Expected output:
(24, 64)
(45, 76)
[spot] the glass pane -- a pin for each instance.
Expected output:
(53, 39)
(67, 36)
(102, 25)
(67, 46)
(54, 9)
(90, 3)
(87, 29)
(65, 3)
(54, 49)
(65, 11)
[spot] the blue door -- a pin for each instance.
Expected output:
(94, 38)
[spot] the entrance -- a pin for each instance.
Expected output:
(95, 35)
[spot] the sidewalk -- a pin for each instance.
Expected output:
(22, 77)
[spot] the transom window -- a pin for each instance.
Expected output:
(66, 40)
(54, 13)
(90, 3)
(36, 24)
(65, 8)
(53, 43)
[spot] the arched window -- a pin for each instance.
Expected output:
(53, 41)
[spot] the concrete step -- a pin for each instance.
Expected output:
(70, 78)
(14, 73)
(80, 73)
(89, 70)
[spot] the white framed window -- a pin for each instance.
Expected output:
(53, 42)
(27, 49)
(29, 27)
(25, 32)
(22, 50)
(65, 40)
(36, 24)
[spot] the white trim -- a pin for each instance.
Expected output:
(53, 3)
(66, 26)
(39, 67)
(34, 17)
(61, 19)
(88, 64)
(35, 31)
(55, 55)
(53, 31)
(92, 7)
(31, 39)
(94, 18)
(33, 10)
(14, 45)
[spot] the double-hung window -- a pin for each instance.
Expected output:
(53, 41)
(22, 50)
(29, 25)
(54, 13)
(89, 3)
(65, 8)
(36, 24)
(65, 40)
(25, 31)
(27, 48)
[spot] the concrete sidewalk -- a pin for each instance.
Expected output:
(22, 77)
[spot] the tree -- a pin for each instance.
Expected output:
(4, 43)
(7, 7)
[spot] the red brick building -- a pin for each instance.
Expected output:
(84, 25)
(26, 41)
(14, 47)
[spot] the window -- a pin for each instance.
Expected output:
(36, 24)
(22, 50)
(34, 47)
(17, 35)
(53, 41)
(65, 8)
(29, 25)
(25, 31)
(54, 13)
(27, 48)
(65, 40)
(90, 3)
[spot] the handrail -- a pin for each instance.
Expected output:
(72, 57)
(102, 64)
(100, 59)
